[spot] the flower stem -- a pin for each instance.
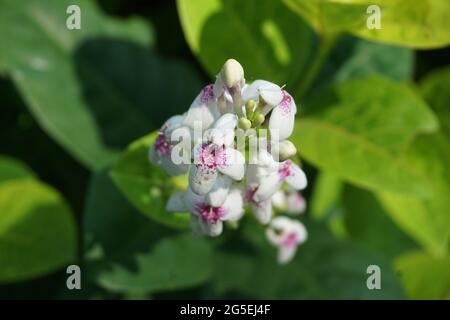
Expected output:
(326, 43)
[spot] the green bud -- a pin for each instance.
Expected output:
(244, 123)
(249, 107)
(259, 119)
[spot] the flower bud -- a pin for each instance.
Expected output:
(259, 119)
(244, 124)
(249, 107)
(286, 150)
(232, 73)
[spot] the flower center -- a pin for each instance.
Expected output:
(285, 104)
(249, 193)
(212, 155)
(286, 171)
(207, 93)
(210, 214)
(291, 240)
(162, 146)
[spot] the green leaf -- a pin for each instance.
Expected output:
(73, 85)
(427, 220)
(129, 253)
(323, 268)
(147, 186)
(368, 223)
(434, 89)
(328, 17)
(326, 195)
(37, 230)
(422, 25)
(356, 58)
(265, 37)
(357, 129)
(425, 276)
(11, 169)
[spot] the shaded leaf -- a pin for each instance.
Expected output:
(73, 85)
(147, 186)
(324, 268)
(11, 169)
(129, 253)
(367, 222)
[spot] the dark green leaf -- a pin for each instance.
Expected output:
(147, 186)
(129, 253)
(324, 268)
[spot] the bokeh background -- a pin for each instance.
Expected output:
(373, 136)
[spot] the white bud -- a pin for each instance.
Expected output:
(286, 150)
(232, 73)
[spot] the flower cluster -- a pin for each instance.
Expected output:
(232, 143)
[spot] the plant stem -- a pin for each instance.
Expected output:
(326, 43)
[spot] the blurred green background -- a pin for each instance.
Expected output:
(373, 135)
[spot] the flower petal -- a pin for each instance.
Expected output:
(279, 200)
(267, 187)
(171, 168)
(226, 121)
(296, 204)
(202, 227)
(281, 123)
(298, 180)
(234, 166)
(219, 191)
(201, 178)
(263, 211)
(286, 254)
(270, 92)
(172, 123)
(234, 205)
(192, 201)
(203, 110)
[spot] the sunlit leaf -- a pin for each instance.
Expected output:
(422, 25)
(357, 129)
(37, 230)
(264, 36)
(425, 276)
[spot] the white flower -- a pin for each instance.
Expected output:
(216, 155)
(271, 94)
(203, 111)
(289, 201)
(282, 118)
(262, 209)
(208, 218)
(160, 152)
(286, 234)
(267, 176)
(277, 100)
